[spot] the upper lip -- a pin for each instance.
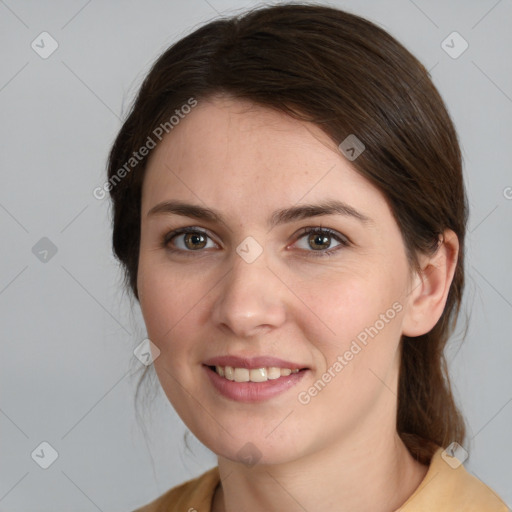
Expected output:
(252, 362)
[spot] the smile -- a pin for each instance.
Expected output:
(252, 385)
(254, 374)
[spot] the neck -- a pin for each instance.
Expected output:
(368, 473)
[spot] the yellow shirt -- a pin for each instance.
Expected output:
(443, 489)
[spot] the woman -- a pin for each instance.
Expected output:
(289, 209)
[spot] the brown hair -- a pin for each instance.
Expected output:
(348, 76)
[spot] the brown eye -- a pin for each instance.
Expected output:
(194, 241)
(319, 241)
(187, 240)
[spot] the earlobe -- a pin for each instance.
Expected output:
(430, 286)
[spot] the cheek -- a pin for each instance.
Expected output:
(166, 301)
(356, 337)
(168, 305)
(356, 316)
(341, 304)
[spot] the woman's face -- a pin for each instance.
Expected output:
(257, 285)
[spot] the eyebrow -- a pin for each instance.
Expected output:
(283, 216)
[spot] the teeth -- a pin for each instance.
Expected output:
(273, 373)
(241, 375)
(258, 375)
(254, 374)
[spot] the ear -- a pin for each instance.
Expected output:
(430, 287)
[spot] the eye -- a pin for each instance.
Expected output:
(318, 240)
(187, 240)
(315, 240)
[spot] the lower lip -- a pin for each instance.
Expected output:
(253, 391)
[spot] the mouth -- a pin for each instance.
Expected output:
(263, 374)
(252, 380)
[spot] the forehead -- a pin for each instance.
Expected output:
(230, 152)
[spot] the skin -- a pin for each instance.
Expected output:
(247, 161)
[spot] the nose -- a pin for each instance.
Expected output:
(250, 299)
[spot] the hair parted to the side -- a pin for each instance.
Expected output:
(348, 76)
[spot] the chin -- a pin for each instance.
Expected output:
(251, 450)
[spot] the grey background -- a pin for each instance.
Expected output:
(68, 332)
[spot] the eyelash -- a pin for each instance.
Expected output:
(344, 241)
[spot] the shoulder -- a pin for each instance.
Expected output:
(448, 486)
(193, 495)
